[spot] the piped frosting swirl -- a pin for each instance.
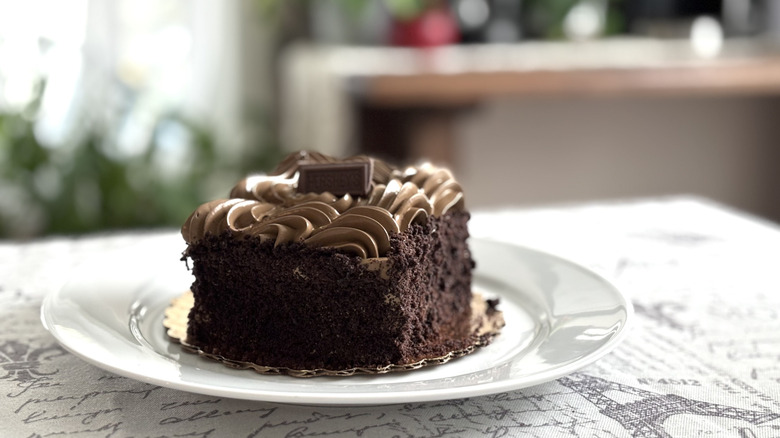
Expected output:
(268, 207)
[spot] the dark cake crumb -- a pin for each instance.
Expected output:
(300, 307)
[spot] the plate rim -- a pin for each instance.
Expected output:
(368, 398)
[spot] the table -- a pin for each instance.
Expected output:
(702, 357)
(404, 103)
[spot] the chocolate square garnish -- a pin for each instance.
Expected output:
(352, 178)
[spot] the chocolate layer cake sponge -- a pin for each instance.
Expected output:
(329, 264)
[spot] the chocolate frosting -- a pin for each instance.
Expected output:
(267, 207)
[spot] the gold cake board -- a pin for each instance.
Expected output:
(484, 328)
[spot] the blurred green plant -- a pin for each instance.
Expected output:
(546, 17)
(84, 186)
(269, 9)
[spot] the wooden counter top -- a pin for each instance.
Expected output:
(458, 75)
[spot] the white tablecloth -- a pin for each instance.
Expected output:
(702, 358)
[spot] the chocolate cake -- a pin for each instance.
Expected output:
(335, 265)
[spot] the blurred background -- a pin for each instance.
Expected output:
(128, 114)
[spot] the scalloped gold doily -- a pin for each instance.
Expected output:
(484, 328)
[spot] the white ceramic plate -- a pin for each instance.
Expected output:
(559, 318)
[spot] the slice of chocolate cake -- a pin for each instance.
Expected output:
(334, 265)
